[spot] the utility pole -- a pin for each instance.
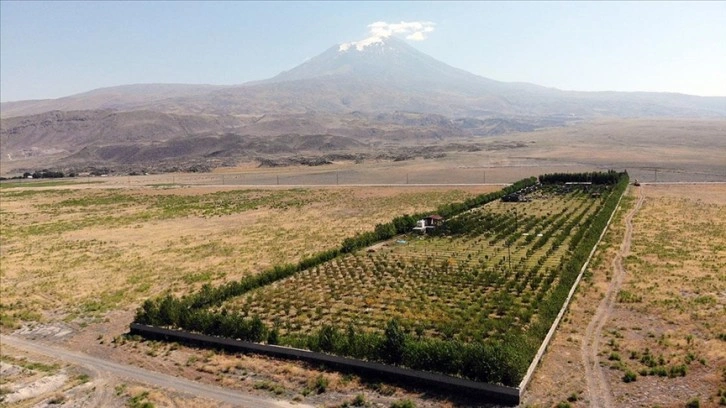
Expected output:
(336, 178)
(406, 178)
(278, 180)
(484, 178)
(655, 171)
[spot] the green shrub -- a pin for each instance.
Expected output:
(677, 371)
(693, 403)
(359, 401)
(319, 385)
(406, 403)
(140, 401)
(629, 376)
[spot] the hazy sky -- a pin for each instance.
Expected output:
(54, 49)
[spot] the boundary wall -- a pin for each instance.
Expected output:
(489, 392)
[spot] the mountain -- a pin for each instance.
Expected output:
(119, 98)
(384, 76)
(391, 62)
(381, 92)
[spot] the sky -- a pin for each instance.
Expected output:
(54, 49)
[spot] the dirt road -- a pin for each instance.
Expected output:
(104, 369)
(597, 386)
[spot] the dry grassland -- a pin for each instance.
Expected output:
(680, 149)
(81, 253)
(83, 258)
(76, 262)
(668, 327)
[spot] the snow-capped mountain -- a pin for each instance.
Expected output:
(380, 75)
(394, 63)
(377, 91)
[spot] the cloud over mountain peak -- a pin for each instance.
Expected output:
(380, 30)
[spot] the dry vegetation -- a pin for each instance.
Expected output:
(26, 380)
(76, 260)
(75, 263)
(665, 342)
(81, 253)
(680, 149)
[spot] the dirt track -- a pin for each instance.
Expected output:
(597, 385)
(103, 369)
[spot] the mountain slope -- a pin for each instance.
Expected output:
(382, 77)
(348, 97)
(392, 62)
(124, 97)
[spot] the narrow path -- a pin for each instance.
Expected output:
(106, 368)
(597, 386)
(102, 396)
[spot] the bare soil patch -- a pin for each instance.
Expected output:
(667, 324)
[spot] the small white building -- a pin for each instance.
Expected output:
(430, 222)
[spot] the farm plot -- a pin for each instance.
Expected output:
(77, 253)
(482, 277)
(474, 298)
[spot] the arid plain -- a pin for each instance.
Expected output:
(79, 256)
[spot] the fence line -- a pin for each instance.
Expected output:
(491, 392)
(543, 347)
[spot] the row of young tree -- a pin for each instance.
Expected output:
(211, 296)
(581, 245)
(492, 361)
(595, 177)
(403, 224)
(44, 174)
(495, 361)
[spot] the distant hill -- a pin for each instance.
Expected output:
(382, 77)
(123, 97)
(386, 91)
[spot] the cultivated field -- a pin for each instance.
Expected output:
(52, 310)
(79, 253)
(457, 305)
(438, 286)
(76, 260)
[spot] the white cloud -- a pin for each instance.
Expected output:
(412, 30)
(417, 36)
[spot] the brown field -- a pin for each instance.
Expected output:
(70, 254)
(663, 150)
(76, 260)
(669, 150)
(651, 313)
(672, 303)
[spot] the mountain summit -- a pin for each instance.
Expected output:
(380, 75)
(378, 92)
(388, 60)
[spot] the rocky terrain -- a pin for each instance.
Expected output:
(373, 101)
